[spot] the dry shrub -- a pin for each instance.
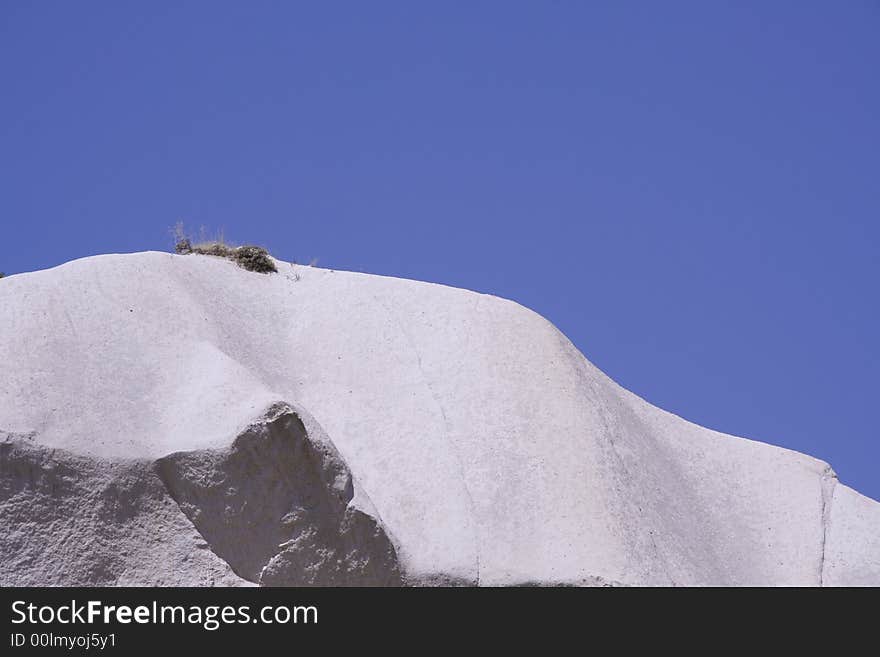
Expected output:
(252, 258)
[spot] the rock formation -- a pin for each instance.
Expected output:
(177, 420)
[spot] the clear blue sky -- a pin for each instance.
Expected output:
(689, 190)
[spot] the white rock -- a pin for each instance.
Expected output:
(179, 420)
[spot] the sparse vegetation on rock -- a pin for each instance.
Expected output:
(250, 257)
(254, 258)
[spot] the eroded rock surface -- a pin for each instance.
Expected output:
(427, 436)
(71, 520)
(276, 507)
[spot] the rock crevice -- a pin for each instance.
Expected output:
(828, 483)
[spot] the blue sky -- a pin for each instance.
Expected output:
(689, 190)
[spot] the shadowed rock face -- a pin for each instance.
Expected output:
(275, 507)
(272, 509)
(70, 520)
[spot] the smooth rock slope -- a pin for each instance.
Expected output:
(177, 420)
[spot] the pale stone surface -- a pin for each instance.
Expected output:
(852, 543)
(178, 420)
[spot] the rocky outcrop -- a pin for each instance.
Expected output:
(178, 420)
(72, 520)
(288, 496)
(271, 509)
